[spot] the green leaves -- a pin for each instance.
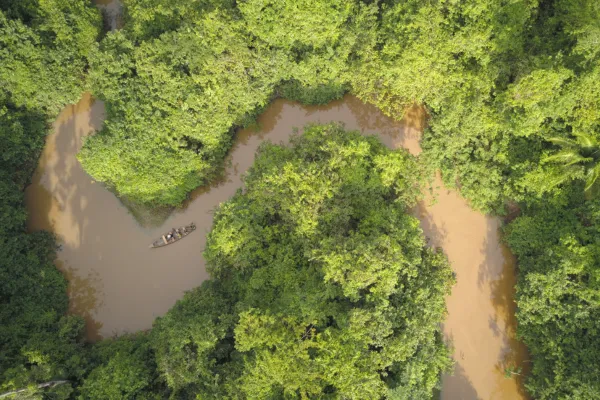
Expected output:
(578, 160)
(43, 63)
(43, 48)
(172, 103)
(182, 76)
(322, 287)
(124, 369)
(191, 341)
(557, 295)
(567, 157)
(592, 185)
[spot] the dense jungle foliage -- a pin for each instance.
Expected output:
(323, 286)
(513, 92)
(558, 247)
(178, 82)
(43, 51)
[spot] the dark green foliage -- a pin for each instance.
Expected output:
(318, 94)
(32, 291)
(194, 341)
(38, 344)
(21, 140)
(323, 286)
(43, 48)
(559, 307)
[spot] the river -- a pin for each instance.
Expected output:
(112, 13)
(119, 285)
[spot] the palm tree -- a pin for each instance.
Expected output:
(579, 158)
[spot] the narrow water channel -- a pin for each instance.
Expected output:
(119, 285)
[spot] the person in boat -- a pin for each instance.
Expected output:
(169, 236)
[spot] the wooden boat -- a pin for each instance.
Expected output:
(174, 235)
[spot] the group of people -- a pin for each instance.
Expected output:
(177, 233)
(174, 233)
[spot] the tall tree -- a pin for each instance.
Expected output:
(44, 51)
(322, 283)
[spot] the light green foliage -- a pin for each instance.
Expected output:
(318, 37)
(182, 75)
(125, 369)
(43, 59)
(453, 57)
(555, 240)
(440, 53)
(323, 285)
(499, 81)
(538, 100)
(147, 19)
(172, 103)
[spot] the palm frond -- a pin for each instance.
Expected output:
(568, 157)
(563, 142)
(586, 139)
(592, 183)
(556, 180)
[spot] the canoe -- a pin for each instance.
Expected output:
(174, 235)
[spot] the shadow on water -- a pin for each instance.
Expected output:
(57, 200)
(83, 295)
(459, 384)
(500, 277)
(435, 231)
(147, 217)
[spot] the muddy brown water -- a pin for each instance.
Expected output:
(112, 13)
(120, 285)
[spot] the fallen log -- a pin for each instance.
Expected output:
(40, 386)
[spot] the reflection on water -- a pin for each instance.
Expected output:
(481, 323)
(83, 294)
(118, 284)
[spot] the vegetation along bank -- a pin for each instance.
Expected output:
(512, 90)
